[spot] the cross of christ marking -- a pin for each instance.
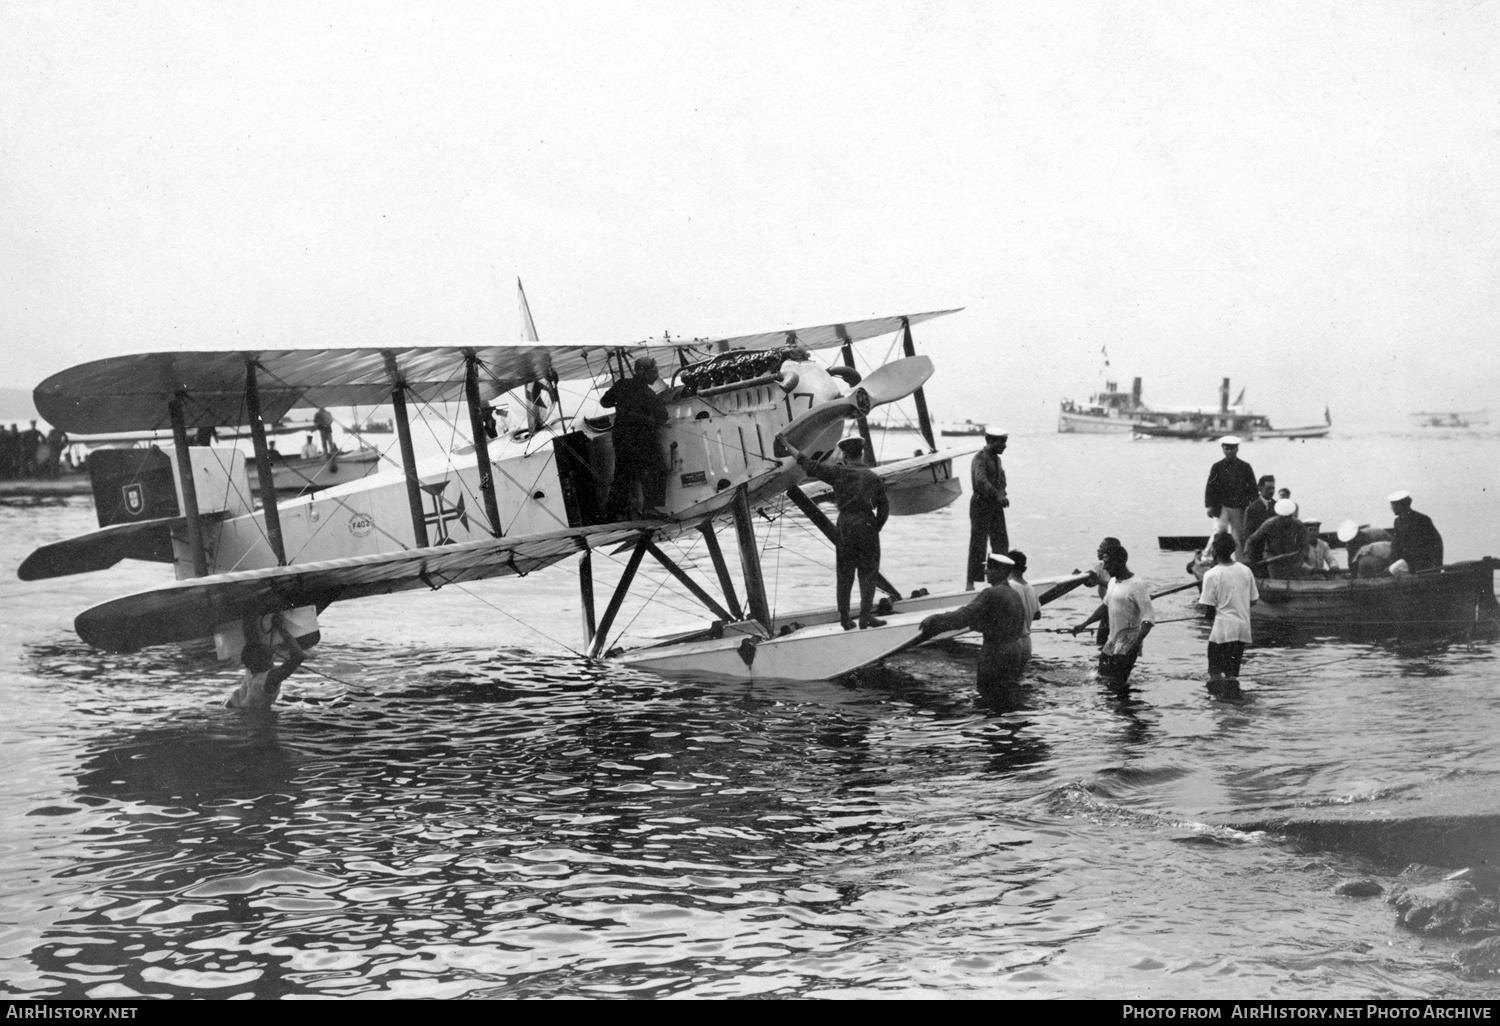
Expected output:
(442, 513)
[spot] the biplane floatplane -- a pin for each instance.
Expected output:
(524, 499)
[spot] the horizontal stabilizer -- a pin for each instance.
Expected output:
(195, 608)
(149, 540)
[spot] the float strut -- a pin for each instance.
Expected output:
(601, 636)
(721, 568)
(586, 591)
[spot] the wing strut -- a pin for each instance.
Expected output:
(860, 420)
(263, 464)
(481, 441)
(924, 422)
(189, 486)
(755, 582)
(821, 522)
(408, 454)
(726, 583)
(601, 636)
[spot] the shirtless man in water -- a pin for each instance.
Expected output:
(261, 683)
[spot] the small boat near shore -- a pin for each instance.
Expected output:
(1458, 595)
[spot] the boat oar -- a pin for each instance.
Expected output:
(1173, 591)
(1061, 588)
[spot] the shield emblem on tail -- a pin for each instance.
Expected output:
(135, 498)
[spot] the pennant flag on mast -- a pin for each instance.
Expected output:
(1239, 399)
(528, 326)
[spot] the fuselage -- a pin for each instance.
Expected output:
(557, 477)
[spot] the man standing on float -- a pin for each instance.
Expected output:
(863, 510)
(986, 507)
(1231, 487)
(639, 416)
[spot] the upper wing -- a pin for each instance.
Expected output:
(130, 393)
(196, 608)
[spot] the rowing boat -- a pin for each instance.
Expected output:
(1457, 595)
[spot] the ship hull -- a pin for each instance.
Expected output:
(1085, 424)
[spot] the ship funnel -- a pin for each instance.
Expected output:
(1135, 391)
(1224, 396)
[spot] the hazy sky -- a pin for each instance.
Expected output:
(1299, 196)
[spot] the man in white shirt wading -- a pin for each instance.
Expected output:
(1127, 603)
(1229, 590)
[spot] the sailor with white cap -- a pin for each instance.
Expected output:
(863, 509)
(1275, 549)
(987, 503)
(1231, 487)
(999, 614)
(1416, 544)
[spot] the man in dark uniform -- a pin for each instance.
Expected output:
(986, 507)
(1275, 549)
(10, 453)
(30, 439)
(1414, 538)
(863, 511)
(1263, 508)
(323, 421)
(1231, 488)
(639, 416)
(999, 614)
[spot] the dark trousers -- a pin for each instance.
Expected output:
(640, 481)
(986, 529)
(1224, 658)
(858, 553)
(1115, 669)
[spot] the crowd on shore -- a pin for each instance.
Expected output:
(30, 454)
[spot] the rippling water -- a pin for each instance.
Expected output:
(453, 803)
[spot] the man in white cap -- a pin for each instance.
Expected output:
(987, 503)
(999, 614)
(1368, 548)
(1415, 542)
(863, 510)
(1275, 549)
(1231, 487)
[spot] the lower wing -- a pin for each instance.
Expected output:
(196, 608)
